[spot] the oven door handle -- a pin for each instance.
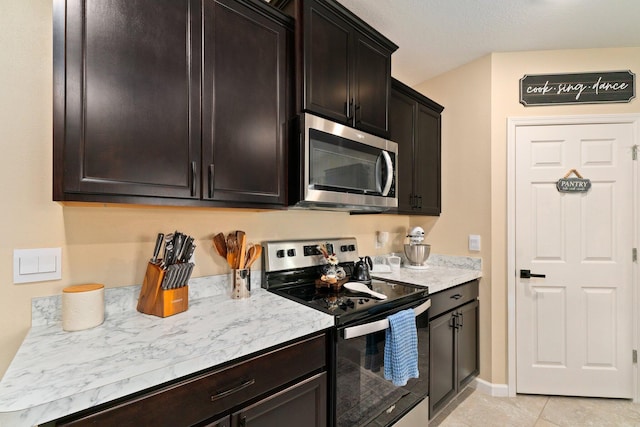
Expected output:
(379, 325)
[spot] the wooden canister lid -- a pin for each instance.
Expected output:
(83, 288)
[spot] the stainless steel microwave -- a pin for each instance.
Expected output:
(342, 168)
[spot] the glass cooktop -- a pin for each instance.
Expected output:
(348, 305)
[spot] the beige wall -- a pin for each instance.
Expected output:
(466, 178)
(103, 244)
(479, 98)
(507, 69)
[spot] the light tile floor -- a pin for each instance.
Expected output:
(475, 409)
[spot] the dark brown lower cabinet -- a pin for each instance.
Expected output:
(285, 386)
(454, 343)
(220, 422)
(303, 404)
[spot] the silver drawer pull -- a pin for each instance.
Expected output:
(233, 390)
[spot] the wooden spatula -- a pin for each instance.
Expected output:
(232, 250)
(220, 243)
(241, 238)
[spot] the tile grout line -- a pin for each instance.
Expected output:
(542, 411)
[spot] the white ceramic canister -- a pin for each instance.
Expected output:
(82, 306)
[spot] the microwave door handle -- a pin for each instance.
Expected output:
(389, 165)
(379, 325)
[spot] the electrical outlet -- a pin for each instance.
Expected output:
(474, 242)
(382, 237)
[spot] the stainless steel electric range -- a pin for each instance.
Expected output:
(358, 393)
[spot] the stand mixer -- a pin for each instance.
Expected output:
(416, 252)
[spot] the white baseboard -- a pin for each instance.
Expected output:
(495, 390)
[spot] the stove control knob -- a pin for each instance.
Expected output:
(291, 252)
(280, 253)
(344, 248)
(352, 248)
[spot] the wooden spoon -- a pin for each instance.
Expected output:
(253, 254)
(220, 243)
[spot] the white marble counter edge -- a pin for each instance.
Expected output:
(437, 279)
(59, 404)
(442, 272)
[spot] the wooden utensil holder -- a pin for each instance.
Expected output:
(161, 302)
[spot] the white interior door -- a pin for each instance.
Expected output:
(574, 326)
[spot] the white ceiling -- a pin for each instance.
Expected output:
(436, 36)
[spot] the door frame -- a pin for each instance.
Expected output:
(512, 124)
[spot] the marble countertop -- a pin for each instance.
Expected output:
(441, 272)
(57, 373)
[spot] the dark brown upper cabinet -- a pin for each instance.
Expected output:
(415, 125)
(246, 85)
(126, 98)
(343, 66)
(170, 102)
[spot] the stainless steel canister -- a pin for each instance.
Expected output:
(240, 283)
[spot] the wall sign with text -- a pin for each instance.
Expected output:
(581, 88)
(573, 185)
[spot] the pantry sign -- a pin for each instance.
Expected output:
(581, 88)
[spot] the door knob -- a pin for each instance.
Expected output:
(527, 274)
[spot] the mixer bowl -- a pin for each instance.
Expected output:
(417, 254)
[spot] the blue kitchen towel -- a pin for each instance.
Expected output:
(401, 348)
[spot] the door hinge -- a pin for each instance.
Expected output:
(634, 254)
(635, 356)
(634, 152)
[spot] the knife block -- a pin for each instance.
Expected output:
(161, 302)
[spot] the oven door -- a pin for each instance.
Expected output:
(363, 396)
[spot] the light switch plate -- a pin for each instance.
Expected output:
(474, 242)
(37, 265)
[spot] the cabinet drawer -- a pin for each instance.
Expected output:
(451, 298)
(205, 396)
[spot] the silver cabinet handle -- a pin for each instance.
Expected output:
(379, 325)
(236, 389)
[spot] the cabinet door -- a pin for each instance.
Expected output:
(126, 98)
(442, 376)
(327, 63)
(304, 404)
(244, 104)
(467, 332)
(221, 422)
(427, 161)
(401, 125)
(371, 86)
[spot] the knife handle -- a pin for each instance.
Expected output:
(156, 250)
(189, 254)
(186, 249)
